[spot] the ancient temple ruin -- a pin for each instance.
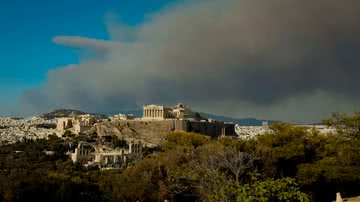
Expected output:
(75, 124)
(158, 112)
(181, 118)
(102, 156)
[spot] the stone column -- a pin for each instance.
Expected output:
(223, 131)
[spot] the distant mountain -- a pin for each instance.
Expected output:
(241, 122)
(68, 113)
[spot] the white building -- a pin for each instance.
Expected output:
(123, 117)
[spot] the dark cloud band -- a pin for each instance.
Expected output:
(260, 52)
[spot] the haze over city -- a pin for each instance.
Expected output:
(294, 61)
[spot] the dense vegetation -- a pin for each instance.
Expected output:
(290, 164)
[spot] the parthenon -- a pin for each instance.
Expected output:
(155, 112)
(159, 112)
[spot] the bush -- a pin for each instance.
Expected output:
(285, 189)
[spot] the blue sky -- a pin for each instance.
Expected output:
(28, 26)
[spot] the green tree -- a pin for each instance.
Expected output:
(185, 139)
(283, 149)
(347, 126)
(285, 189)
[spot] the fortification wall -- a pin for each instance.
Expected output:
(181, 125)
(213, 129)
(230, 129)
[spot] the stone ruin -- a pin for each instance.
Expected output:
(158, 112)
(76, 124)
(105, 157)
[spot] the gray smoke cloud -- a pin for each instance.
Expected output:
(289, 60)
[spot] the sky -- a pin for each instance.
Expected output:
(294, 61)
(27, 28)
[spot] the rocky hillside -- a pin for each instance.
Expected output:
(59, 113)
(152, 133)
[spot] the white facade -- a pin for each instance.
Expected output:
(155, 112)
(123, 117)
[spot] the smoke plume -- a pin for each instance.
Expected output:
(290, 60)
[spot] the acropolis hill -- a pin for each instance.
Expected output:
(152, 126)
(157, 122)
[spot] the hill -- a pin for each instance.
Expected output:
(67, 113)
(241, 122)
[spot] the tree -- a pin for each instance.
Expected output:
(347, 126)
(216, 156)
(185, 139)
(283, 149)
(235, 161)
(285, 189)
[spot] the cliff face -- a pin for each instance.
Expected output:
(152, 133)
